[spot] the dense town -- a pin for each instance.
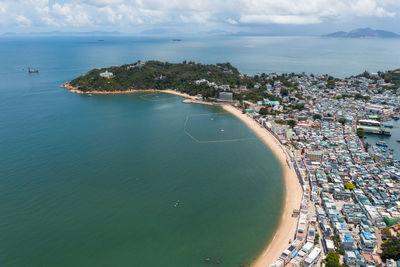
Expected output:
(350, 208)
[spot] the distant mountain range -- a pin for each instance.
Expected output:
(363, 33)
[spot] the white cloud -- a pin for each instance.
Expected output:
(97, 13)
(231, 21)
(285, 19)
(23, 21)
(311, 11)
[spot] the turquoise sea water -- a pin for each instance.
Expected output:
(390, 140)
(93, 181)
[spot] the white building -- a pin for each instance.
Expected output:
(313, 257)
(106, 74)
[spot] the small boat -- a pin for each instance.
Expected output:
(176, 40)
(32, 70)
(101, 40)
(396, 118)
(381, 144)
(176, 204)
(398, 140)
(388, 126)
(222, 130)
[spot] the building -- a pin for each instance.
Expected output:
(350, 258)
(314, 155)
(225, 97)
(106, 74)
(313, 257)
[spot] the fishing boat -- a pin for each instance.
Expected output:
(381, 144)
(388, 126)
(32, 70)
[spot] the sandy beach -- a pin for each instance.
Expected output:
(293, 191)
(72, 89)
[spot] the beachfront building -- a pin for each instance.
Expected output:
(225, 97)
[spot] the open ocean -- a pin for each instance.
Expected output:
(120, 180)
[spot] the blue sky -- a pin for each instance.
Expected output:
(287, 17)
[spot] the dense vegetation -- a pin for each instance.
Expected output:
(392, 77)
(333, 260)
(391, 249)
(160, 75)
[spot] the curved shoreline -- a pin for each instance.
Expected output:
(293, 191)
(73, 89)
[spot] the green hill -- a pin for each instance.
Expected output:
(161, 75)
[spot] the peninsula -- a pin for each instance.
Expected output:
(339, 189)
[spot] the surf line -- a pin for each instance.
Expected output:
(211, 141)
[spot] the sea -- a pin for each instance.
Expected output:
(143, 179)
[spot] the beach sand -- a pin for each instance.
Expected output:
(72, 89)
(293, 191)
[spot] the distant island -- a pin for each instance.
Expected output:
(363, 33)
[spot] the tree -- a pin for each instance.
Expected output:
(386, 232)
(263, 111)
(316, 239)
(291, 123)
(360, 132)
(317, 117)
(342, 121)
(391, 249)
(284, 92)
(332, 259)
(349, 186)
(336, 240)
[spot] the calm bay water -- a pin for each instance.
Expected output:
(390, 140)
(92, 181)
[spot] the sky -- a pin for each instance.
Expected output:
(270, 17)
